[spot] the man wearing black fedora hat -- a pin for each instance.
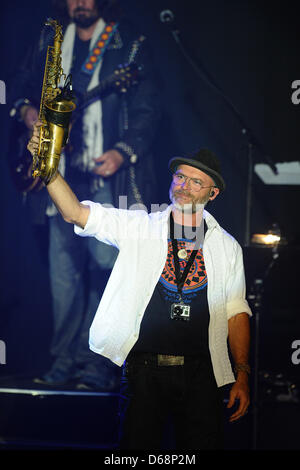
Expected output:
(174, 301)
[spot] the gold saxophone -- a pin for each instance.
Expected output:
(55, 111)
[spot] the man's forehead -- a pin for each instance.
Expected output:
(193, 172)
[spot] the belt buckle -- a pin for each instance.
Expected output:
(168, 360)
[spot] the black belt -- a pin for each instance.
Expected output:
(157, 359)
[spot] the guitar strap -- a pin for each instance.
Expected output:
(85, 74)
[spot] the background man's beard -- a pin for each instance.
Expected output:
(84, 21)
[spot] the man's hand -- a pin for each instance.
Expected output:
(33, 143)
(239, 342)
(30, 115)
(110, 162)
(240, 392)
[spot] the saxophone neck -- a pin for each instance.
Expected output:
(58, 35)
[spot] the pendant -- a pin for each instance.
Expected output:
(182, 254)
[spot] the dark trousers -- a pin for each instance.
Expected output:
(160, 401)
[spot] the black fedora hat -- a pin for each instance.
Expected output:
(204, 160)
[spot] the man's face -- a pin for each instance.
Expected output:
(84, 13)
(184, 198)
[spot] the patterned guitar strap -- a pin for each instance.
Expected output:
(95, 55)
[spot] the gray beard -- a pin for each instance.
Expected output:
(190, 208)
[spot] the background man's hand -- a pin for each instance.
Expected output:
(108, 163)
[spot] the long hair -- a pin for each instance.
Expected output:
(109, 10)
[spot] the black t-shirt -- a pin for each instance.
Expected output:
(161, 334)
(80, 53)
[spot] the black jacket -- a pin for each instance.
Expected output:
(131, 118)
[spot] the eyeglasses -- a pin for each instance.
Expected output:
(196, 185)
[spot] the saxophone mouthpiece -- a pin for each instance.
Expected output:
(49, 22)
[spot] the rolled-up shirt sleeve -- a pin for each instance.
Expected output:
(111, 226)
(103, 223)
(236, 286)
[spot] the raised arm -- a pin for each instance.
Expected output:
(60, 192)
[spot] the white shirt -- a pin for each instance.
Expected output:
(142, 240)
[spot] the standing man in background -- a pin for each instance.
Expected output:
(109, 155)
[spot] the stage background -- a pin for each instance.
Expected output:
(251, 51)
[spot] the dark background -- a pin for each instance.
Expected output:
(250, 49)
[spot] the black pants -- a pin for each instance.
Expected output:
(185, 395)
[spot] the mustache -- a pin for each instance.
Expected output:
(81, 10)
(180, 192)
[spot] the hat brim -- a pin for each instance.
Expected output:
(176, 161)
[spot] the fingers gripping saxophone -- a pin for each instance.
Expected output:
(55, 113)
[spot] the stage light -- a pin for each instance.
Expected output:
(270, 239)
(265, 239)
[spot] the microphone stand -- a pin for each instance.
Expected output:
(256, 297)
(252, 141)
